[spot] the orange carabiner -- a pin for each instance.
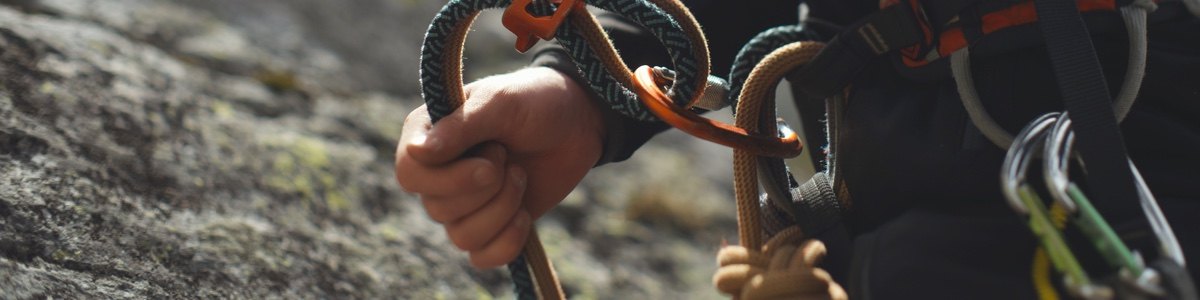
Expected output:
(646, 85)
(528, 27)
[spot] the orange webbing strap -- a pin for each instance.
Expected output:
(786, 266)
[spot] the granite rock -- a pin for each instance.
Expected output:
(234, 149)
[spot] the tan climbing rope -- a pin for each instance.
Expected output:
(545, 279)
(786, 266)
(757, 93)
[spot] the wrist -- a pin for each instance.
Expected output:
(594, 113)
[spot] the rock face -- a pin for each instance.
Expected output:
(200, 149)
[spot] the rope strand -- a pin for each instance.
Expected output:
(785, 267)
(591, 50)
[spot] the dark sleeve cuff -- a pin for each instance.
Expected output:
(624, 135)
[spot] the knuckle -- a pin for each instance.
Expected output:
(483, 88)
(508, 250)
(416, 114)
(465, 241)
(511, 200)
(466, 176)
(404, 173)
(503, 248)
(439, 213)
(440, 216)
(479, 260)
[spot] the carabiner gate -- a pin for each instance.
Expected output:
(647, 84)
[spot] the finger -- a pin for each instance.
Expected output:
(416, 124)
(453, 135)
(473, 231)
(506, 246)
(476, 175)
(447, 208)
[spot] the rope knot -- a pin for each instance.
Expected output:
(785, 268)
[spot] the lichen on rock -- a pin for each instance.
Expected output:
(185, 149)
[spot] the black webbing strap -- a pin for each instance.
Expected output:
(817, 204)
(843, 57)
(1085, 94)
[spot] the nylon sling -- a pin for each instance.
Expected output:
(1084, 91)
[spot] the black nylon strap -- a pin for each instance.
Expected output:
(818, 204)
(1085, 94)
(849, 52)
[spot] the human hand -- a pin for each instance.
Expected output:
(517, 147)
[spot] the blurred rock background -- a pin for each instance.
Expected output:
(243, 149)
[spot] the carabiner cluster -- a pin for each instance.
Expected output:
(1051, 138)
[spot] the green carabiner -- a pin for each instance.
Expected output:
(1102, 236)
(1052, 240)
(1026, 202)
(1057, 159)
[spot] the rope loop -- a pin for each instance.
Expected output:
(584, 41)
(598, 62)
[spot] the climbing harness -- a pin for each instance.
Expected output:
(786, 213)
(1050, 136)
(585, 43)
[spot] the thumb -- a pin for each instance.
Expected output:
(455, 134)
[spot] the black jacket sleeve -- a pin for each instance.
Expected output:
(727, 26)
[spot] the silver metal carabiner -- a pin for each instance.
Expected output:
(1158, 222)
(1059, 145)
(1018, 158)
(1058, 154)
(1023, 199)
(1058, 159)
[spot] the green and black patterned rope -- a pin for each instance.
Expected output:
(523, 287)
(786, 202)
(758, 48)
(659, 23)
(433, 48)
(619, 98)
